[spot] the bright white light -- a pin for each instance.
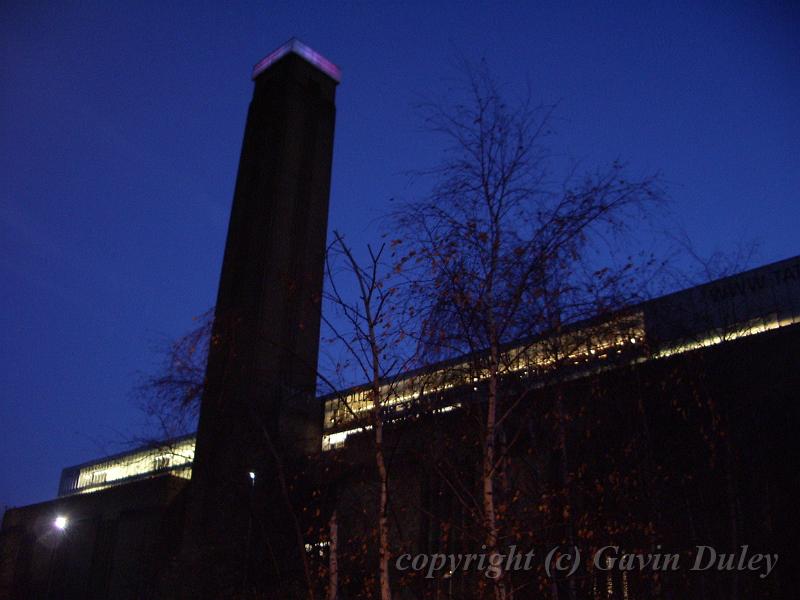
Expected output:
(252, 475)
(60, 522)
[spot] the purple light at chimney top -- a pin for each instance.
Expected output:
(307, 53)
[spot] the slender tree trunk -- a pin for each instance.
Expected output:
(383, 518)
(369, 287)
(380, 461)
(333, 558)
(488, 474)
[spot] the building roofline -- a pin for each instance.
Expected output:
(572, 327)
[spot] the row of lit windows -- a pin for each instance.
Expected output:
(582, 346)
(177, 457)
(336, 414)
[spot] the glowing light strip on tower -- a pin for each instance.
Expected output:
(303, 51)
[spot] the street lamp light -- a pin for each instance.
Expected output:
(60, 524)
(252, 475)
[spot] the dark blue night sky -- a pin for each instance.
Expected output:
(120, 128)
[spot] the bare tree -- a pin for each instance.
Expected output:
(499, 251)
(170, 397)
(367, 333)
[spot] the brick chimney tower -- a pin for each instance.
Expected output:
(259, 418)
